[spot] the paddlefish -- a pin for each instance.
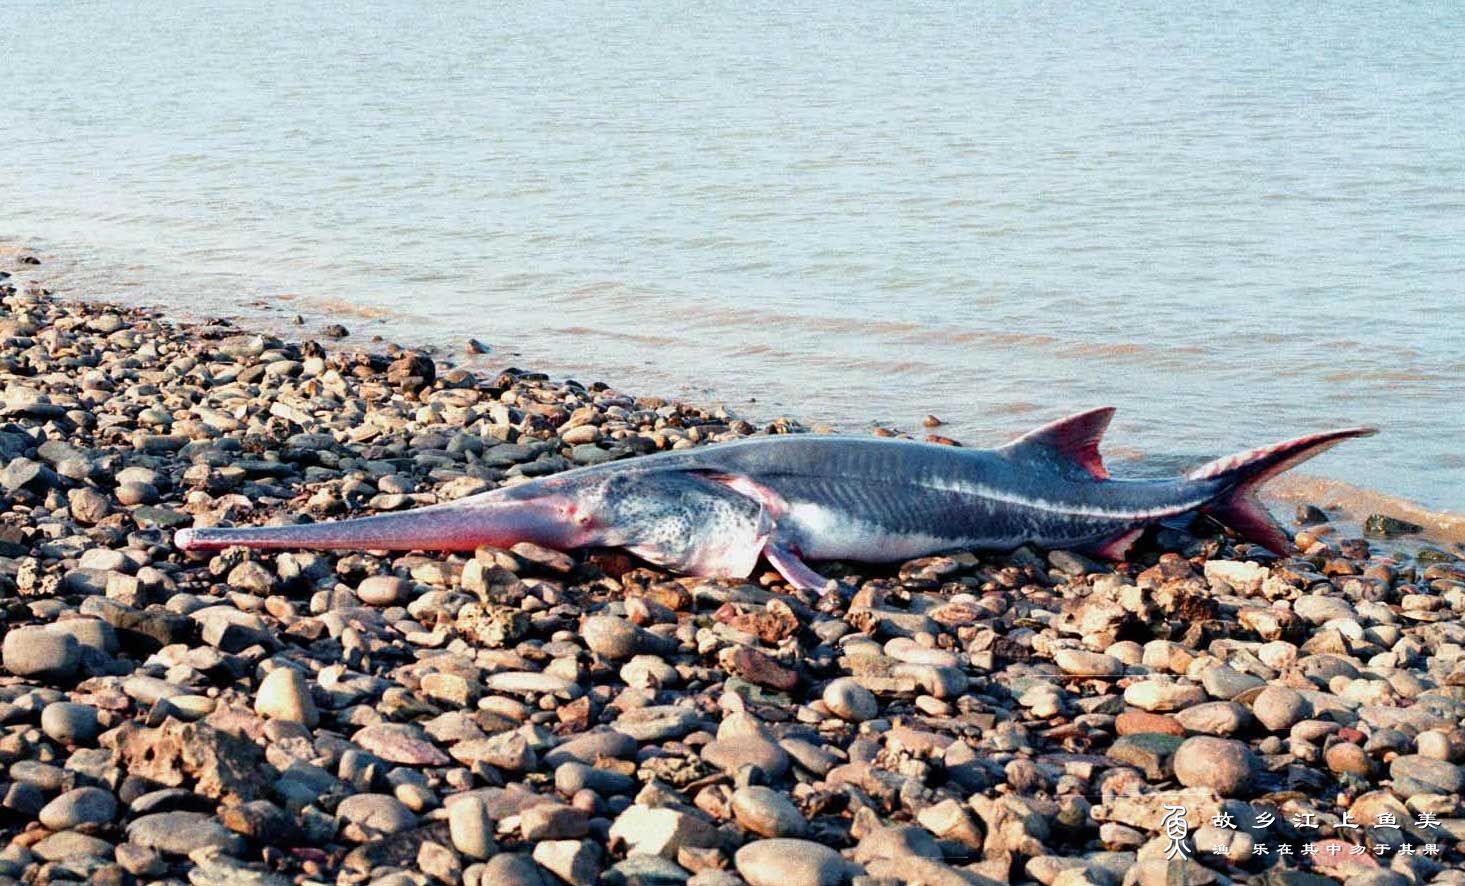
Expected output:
(717, 510)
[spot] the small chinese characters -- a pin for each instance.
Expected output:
(1176, 828)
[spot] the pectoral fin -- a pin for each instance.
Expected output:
(779, 554)
(794, 570)
(772, 503)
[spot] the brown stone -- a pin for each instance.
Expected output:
(774, 623)
(218, 764)
(759, 669)
(1137, 722)
(575, 715)
(668, 594)
(492, 626)
(412, 372)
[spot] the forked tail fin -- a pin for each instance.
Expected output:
(1243, 474)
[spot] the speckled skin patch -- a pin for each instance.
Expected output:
(682, 521)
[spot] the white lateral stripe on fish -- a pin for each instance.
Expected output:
(715, 510)
(1072, 509)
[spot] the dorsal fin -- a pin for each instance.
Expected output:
(1072, 440)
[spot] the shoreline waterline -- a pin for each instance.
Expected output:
(296, 316)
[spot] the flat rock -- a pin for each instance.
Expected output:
(729, 755)
(213, 868)
(71, 723)
(69, 845)
(645, 870)
(571, 778)
(179, 833)
(1319, 609)
(1162, 696)
(586, 748)
(791, 862)
(509, 869)
(1081, 663)
(1414, 774)
(509, 751)
(1137, 722)
(404, 743)
(896, 841)
(529, 683)
(661, 831)
(657, 722)
(927, 872)
(1149, 752)
(1223, 681)
(553, 821)
(381, 813)
(1215, 718)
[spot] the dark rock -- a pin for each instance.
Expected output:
(1382, 526)
(262, 822)
(412, 372)
(1310, 515)
(395, 850)
(1151, 752)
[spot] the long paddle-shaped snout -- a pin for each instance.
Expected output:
(553, 520)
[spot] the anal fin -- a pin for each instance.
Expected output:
(1248, 518)
(1117, 548)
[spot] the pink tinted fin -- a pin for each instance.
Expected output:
(1248, 518)
(1118, 547)
(1237, 506)
(794, 570)
(1074, 439)
(773, 504)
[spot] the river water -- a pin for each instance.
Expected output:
(1236, 225)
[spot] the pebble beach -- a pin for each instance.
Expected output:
(1204, 713)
